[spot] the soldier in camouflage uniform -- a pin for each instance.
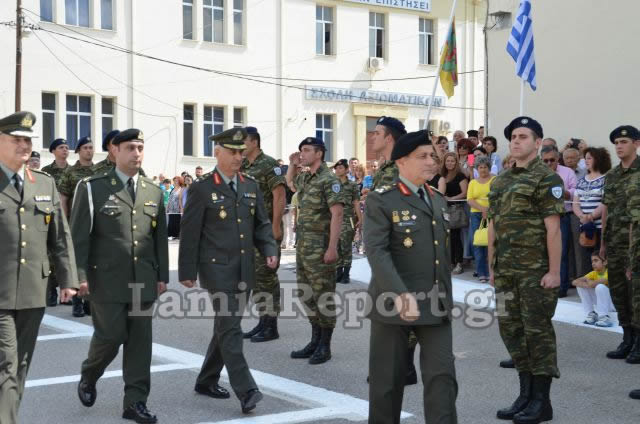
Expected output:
(108, 163)
(525, 244)
(318, 231)
(60, 150)
(351, 221)
(265, 170)
(619, 190)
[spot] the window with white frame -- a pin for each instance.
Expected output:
(78, 118)
(106, 14)
(238, 17)
(46, 10)
(76, 12)
(324, 132)
(187, 19)
(324, 30)
(213, 20)
(238, 117)
(187, 130)
(48, 119)
(376, 34)
(425, 35)
(213, 124)
(107, 115)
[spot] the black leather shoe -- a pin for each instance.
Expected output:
(215, 391)
(250, 400)
(52, 297)
(634, 394)
(77, 310)
(139, 413)
(87, 393)
(86, 307)
(507, 363)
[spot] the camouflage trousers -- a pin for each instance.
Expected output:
(266, 294)
(619, 285)
(345, 246)
(525, 324)
(635, 300)
(316, 280)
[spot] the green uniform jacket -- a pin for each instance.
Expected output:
(407, 244)
(53, 170)
(268, 175)
(30, 227)
(119, 243)
(387, 174)
(219, 230)
(317, 193)
(618, 186)
(72, 176)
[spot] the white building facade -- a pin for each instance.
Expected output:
(291, 68)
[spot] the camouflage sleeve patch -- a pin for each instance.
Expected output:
(333, 191)
(550, 199)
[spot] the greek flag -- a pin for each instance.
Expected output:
(520, 45)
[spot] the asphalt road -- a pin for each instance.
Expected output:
(592, 389)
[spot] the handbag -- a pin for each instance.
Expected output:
(458, 217)
(588, 235)
(481, 235)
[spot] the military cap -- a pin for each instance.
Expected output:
(55, 143)
(251, 130)
(108, 138)
(312, 141)
(390, 122)
(523, 122)
(132, 134)
(82, 142)
(342, 162)
(233, 138)
(19, 124)
(410, 142)
(627, 131)
(35, 154)
(472, 133)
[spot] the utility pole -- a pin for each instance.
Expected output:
(18, 95)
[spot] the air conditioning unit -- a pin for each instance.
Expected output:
(445, 126)
(376, 63)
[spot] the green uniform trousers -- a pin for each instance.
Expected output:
(18, 334)
(316, 280)
(266, 294)
(388, 369)
(619, 285)
(525, 326)
(345, 246)
(114, 326)
(225, 348)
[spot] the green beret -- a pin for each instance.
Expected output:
(19, 124)
(233, 138)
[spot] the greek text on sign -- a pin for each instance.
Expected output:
(360, 95)
(417, 5)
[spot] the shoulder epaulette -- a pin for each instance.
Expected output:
(40, 171)
(385, 189)
(96, 176)
(247, 176)
(435, 190)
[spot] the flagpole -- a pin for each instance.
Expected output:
(522, 82)
(437, 81)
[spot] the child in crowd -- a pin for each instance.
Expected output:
(593, 290)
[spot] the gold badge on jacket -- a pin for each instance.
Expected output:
(154, 223)
(222, 214)
(395, 217)
(47, 219)
(407, 242)
(214, 196)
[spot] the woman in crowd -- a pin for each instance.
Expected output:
(477, 153)
(435, 180)
(491, 146)
(188, 180)
(442, 146)
(455, 190)
(367, 181)
(464, 147)
(588, 196)
(174, 208)
(360, 176)
(508, 162)
(477, 197)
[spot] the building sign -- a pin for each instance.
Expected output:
(361, 95)
(415, 5)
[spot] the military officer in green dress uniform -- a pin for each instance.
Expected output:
(351, 221)
(525, 244)
(407, 243)
(265, 170)
(31, 222)
(108, 163)
(120, 233)
(319, 220)
(223, 221)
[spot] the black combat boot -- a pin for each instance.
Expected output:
(345, 275)
(634, 354)
(339, 274)
(255, 330)
(412, 375)
(77, 310)
(310, 348)
(625, 347)
(323, 351)
(539, 408)
(269, 330)
(86, 307)
(507, 363)
(521, 401)
(52, 297)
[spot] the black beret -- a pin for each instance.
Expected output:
(390, 122)
(472, 133)
(19, 124)
(35, 154)
(342, 162)
(55, 143)
(410, 142)
(627, 131)
(523, 122)
(82, 142)
(108, 138)
(312, 141)
(128, 135)
(233, 138)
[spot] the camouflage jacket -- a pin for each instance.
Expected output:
(387, 175)
(104, 166)
(71, 176)
(617, 188)
(55, 172)
(519, 201)
(317, 192)
(268, 174)
(351, 194)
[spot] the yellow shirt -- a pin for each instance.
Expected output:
(479, 193)
(595, 276)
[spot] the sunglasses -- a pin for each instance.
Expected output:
(549, 160)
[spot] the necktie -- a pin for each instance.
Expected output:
(232, 185)
(131, 190)
(422, 196)
(18, 183)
